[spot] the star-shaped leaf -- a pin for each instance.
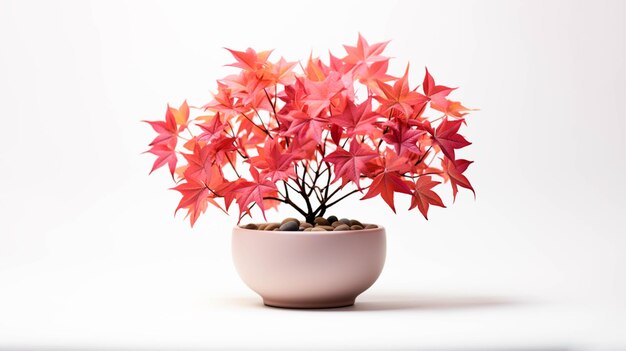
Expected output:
(349, 165)
(249, 192)
(453, 171)
(399, 97)
(358, 119)
(447, 137)
(424, 196)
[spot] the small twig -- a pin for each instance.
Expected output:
(423, 156)
(420, 175)
(232, 165)
(263, 129)
(343, 197)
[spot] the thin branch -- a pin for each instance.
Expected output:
(247, 212)
(327, 182)
(303, 192)
(261, 119)
(232, 165)
(270, 101)
(333, 194)
(343, 197)
(420, 175)
(263, 129)
(287, 201)
(423, 156)
(291, 186)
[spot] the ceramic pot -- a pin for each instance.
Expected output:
(309, 269)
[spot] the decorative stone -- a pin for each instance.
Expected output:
(342, 227)
(371, 226)
(332, 219)
(317, 229)
(321, 221)
(262, 226)
(251, 226)
(308, 229)
(275, 229)
(272, 226)
(345, 221)
(326, 227)
(306, 225)
(290, 226)
(290, 219)
(355, 222)
(336, 224)
(356, 227)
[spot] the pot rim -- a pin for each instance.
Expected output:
(325, 233)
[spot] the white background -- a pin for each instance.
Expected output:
(91, 256)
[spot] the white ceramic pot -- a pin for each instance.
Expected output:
(309, 269)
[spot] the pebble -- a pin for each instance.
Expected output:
(345, 221)
(321, 224)
(289, 226)
(272, 226)
(342, 227)
(290, 219)
(355, 222)
(276, 229)
(321, 221)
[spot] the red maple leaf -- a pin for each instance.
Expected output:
(447, 137)
(212, 129)
(274, 162)
(250, 60)
(303, 126)
(436, 93)
(424, 196)
(293, 95)
(319, 94)
(166, 154)
(359, 120)
(399, 97)
(388, 179)
(453, 171)
(364, 53)
(220, 148)
(224, 101)
(303, 148)
(168, 129)
(248, 88)
(402, 137)
(281, 72)
(349, 165)
(249, 192)
(201, 164)
(196, 196)
(451, 108)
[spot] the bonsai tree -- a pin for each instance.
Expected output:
(311, 134)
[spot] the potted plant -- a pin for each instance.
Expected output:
(309, 135)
